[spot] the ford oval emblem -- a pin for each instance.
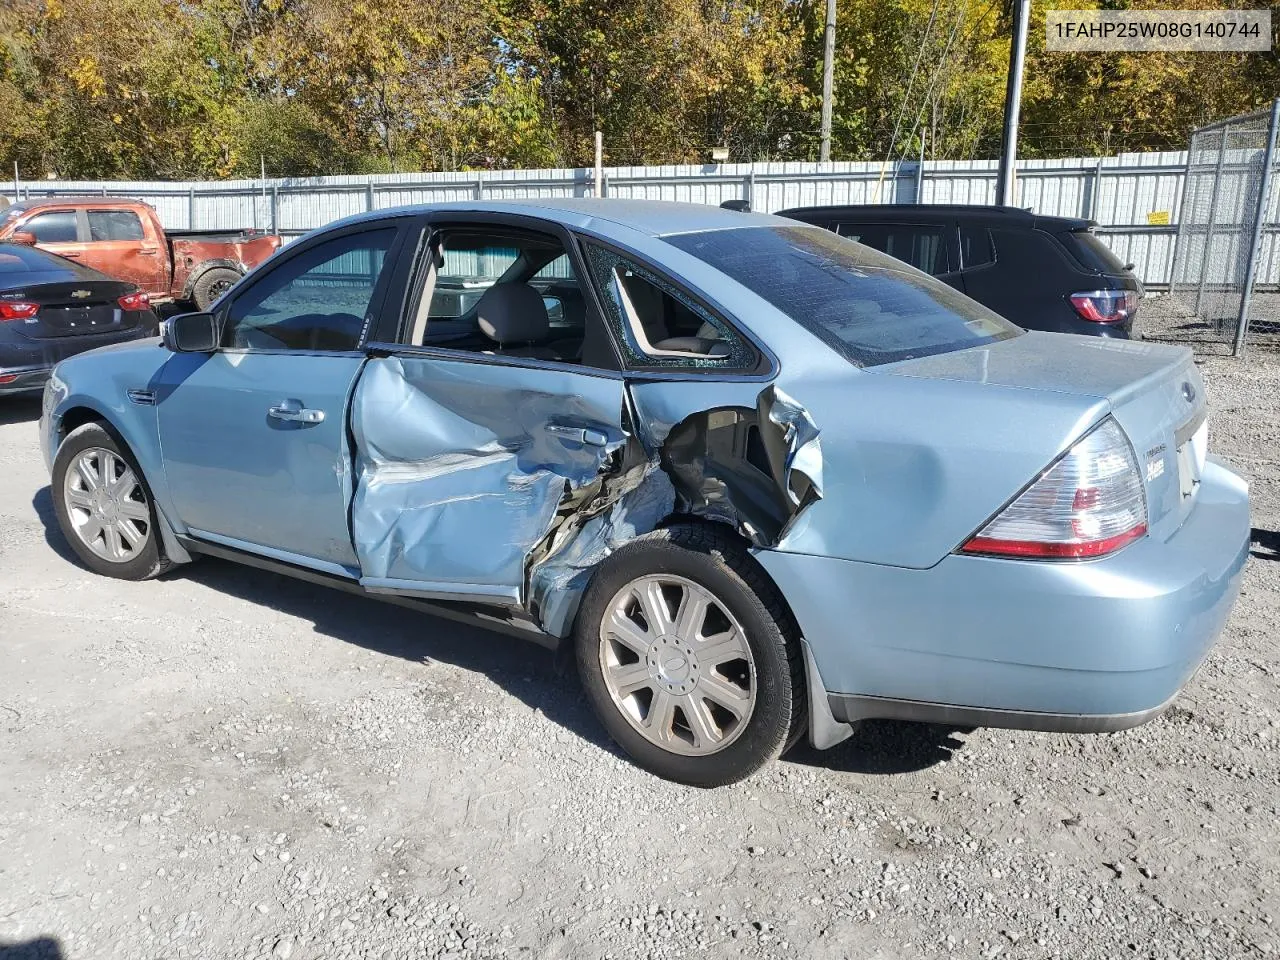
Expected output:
(1188, 391)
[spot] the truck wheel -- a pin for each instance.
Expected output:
(212, 285)
(104, 507)
(689, 656)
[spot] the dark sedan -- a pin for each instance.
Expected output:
(52, 308)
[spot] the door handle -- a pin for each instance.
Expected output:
(147, 251)
(588, 437)
(294, 412)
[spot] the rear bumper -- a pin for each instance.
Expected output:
(23, 379)
(1096, 645)
(28, 356)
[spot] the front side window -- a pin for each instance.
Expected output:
(864, 304)
(316, 301)
(114, 225)
(56, 226)
(659, 325)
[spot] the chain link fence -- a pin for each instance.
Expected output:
(1225, 270)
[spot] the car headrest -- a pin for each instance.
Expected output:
(513, 313)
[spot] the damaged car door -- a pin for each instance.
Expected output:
(486, 423)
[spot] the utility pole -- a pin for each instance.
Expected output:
(828, 79)
(599, 184)
(1012, 103)
(16, 182)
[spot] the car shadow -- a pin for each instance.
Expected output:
(885, 748)
(43, 948)
(541, 680)
(1265, 544)
(19, 409)
(538, 678)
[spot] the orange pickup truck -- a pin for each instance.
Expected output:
(125, 240)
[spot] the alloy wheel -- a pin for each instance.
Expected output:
(677, 664)
(107, 505)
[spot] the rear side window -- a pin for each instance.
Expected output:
(1087, 248)
(114, 225)
(863, 304)
(976, 247)
(924, 246)
(660, 326)
(57, 226)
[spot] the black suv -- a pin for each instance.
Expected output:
(1043, 273)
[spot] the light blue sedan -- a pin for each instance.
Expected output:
(767, 482)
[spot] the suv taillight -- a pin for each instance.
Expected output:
(135, 301)
(1088, 504)
(1105, 306)
(18, 310)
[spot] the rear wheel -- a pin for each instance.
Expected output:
(689, 656)
(213, 284)
(104, 507)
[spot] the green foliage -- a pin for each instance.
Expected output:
(211, 88)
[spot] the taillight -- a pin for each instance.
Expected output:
(1105, 306)
(135, 301)
(1088, 504)
(18, 310)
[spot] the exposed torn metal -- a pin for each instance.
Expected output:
(752, 469)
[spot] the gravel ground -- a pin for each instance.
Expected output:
(229, 764)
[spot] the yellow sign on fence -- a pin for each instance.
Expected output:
(1158, 218)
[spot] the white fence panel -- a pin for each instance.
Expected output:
(1119, 192)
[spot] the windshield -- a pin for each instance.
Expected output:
(866, 305)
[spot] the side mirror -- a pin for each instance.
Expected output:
(24, 238)
(190, 333)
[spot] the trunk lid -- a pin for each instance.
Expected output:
(71, 309)
(1155, 393)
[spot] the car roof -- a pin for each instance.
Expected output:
(655, 218)
(98, 199)
(986, 215)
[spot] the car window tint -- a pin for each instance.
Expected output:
(316, 300)
(1091, 252)
(922, 246)
(56, 226)
(862, 303)
(114, 225)
(976, 247)
(508, 292)
(659, 325)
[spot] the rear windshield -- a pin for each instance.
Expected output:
(864, 304)
(1088, 248)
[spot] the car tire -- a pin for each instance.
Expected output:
(104, 506)
(704, 699)
(211, 285)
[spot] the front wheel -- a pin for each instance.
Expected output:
(689, 656)
(104, 507)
